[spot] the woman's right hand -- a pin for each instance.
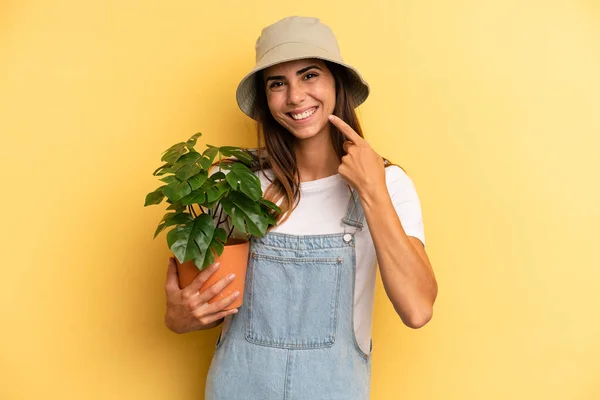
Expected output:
(188, 309)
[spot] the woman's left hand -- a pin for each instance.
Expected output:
(361, 167)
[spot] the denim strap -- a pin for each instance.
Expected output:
(355, 214)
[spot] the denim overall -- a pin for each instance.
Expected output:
(293, 338)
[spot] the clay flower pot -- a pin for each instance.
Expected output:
(233, 260)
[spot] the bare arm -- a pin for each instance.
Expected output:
(405, 269)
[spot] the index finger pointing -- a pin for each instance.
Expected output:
(346, 129)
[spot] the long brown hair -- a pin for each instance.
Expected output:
(276, 144)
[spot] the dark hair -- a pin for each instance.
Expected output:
(276, 144)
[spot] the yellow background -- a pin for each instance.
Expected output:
(492, 107)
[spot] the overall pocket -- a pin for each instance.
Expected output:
(292, 302)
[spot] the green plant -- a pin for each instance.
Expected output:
(198, 200)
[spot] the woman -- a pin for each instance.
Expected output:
(304, 331)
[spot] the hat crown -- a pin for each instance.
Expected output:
(297, 30)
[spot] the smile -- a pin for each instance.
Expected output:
(306, 114)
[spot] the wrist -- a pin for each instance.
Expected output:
(374, 196)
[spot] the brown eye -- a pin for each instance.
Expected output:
(309, 75)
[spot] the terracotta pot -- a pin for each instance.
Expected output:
(233, 260)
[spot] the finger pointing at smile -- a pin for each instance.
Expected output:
(346, 130)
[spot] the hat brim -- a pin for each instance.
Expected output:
(246, 94)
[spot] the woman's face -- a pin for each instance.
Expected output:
(300, 95)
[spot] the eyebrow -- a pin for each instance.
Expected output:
(299, 72)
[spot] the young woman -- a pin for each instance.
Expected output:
(304, 331)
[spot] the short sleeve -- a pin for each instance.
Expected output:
(406, 201)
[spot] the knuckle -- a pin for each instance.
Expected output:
(214, 289)
(198, 314)
(190, 306)
(186, 296)
(201, 278)
(226, 281)
(218, 287)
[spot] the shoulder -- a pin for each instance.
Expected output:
(397, 180)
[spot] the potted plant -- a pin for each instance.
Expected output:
(206, 207)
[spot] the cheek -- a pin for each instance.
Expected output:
(274, 103)
(327, 96)
(328, 100)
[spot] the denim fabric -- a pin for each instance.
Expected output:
(293, 338)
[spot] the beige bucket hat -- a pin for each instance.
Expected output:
(295, 38)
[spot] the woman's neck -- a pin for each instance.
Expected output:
(316, 158)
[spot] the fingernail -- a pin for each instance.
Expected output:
(234, 311)
(231, 276)
(215, 265)
(236, 293)
(331, 117)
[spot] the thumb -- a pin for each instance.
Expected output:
(172, 283)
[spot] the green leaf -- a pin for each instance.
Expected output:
(155, 197)
(221, 235)
(271, 220)
(176, 190)
(216, 191)
(173, 153)
(191, 240)
(188, 165)
(169, 179)
(208, 157)
(192, 141)
(237, 152)
(217, 176)
(198, 196)
(198, 180)
(160, 170)
(216, 247)
(174, 218)
(271, 205)
(175, 205)
(187, 171)
(169, 170)
(208, 194)
(245, 214)
(241, 178)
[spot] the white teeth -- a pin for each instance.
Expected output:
(305, 114)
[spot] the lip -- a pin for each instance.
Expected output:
(302, 121)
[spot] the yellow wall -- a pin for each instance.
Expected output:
(493, 108)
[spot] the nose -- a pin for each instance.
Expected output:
(296, 94)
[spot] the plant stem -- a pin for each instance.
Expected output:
(219, 222)
(230, 231)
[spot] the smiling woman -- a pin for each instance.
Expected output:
(304, 330)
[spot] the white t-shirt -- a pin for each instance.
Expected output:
(324, 202)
